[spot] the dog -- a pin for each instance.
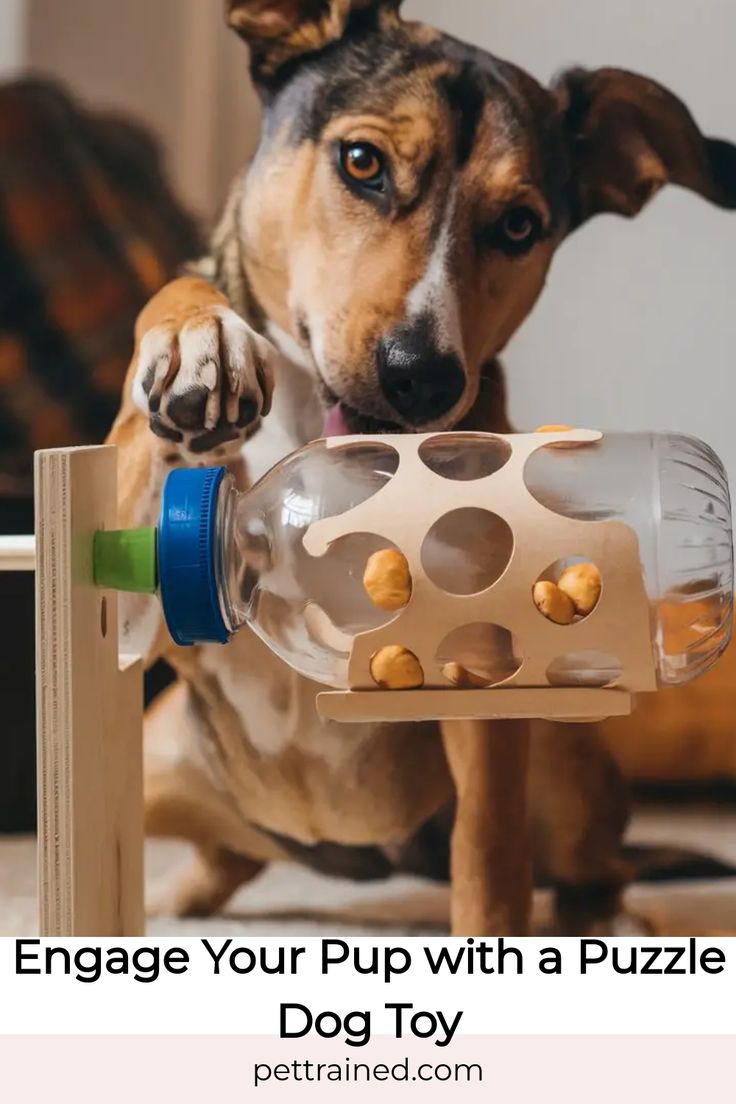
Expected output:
(394, 229)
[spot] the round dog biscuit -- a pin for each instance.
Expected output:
(463, 678)
(396, 668)
(553, 603)
(387, 579)
(582, 584)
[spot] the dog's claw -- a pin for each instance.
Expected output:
(205, 384)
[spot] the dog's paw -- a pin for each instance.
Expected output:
(205, 384)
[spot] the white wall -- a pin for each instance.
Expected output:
(12, 37)
(171, 63)
(637, 327)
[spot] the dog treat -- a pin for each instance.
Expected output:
(387, 579)
(582, 584)
(396, 668)
(558, 429)
(463, 678)
(553, 603)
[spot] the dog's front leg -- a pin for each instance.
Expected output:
(199, 380)
(490, 864)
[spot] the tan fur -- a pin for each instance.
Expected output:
(491, 827)
(359, 800)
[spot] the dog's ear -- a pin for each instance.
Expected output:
(629, 137)
(278, 31)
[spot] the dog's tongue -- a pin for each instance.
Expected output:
(336, 423)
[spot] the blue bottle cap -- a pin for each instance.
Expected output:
(186, 556)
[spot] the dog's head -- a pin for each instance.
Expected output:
(409, 193)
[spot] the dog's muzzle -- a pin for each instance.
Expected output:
(421, 383)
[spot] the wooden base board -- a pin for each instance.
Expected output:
(563, 704)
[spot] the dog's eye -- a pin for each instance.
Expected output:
(364, 164)
(519, 229)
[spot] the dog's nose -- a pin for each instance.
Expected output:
(421, 383)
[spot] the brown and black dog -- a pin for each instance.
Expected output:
(395, 228)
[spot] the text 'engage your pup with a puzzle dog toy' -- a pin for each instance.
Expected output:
(456, 575)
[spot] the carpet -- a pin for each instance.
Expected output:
(287, 900)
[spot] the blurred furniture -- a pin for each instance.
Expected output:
(682, 735)
(89, 230)
(17, 700)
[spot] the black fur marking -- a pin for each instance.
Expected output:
(672, 864)
(425, 183)
(362, 71)
(359, 864)
(427, 853)
(578, 906)
(466, 98)
(363, 22)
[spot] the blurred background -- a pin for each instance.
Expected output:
(121, 125)
(170, 64)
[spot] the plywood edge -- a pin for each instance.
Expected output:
(568, 704)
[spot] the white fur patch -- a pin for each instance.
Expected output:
(435, 295)
(199, 368)
(155, 353)
(291, 349)
(276, 705)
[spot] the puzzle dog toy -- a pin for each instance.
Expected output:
(455, 575)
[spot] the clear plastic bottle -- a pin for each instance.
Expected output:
(225, 559)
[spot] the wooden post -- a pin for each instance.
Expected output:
(89, 711)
